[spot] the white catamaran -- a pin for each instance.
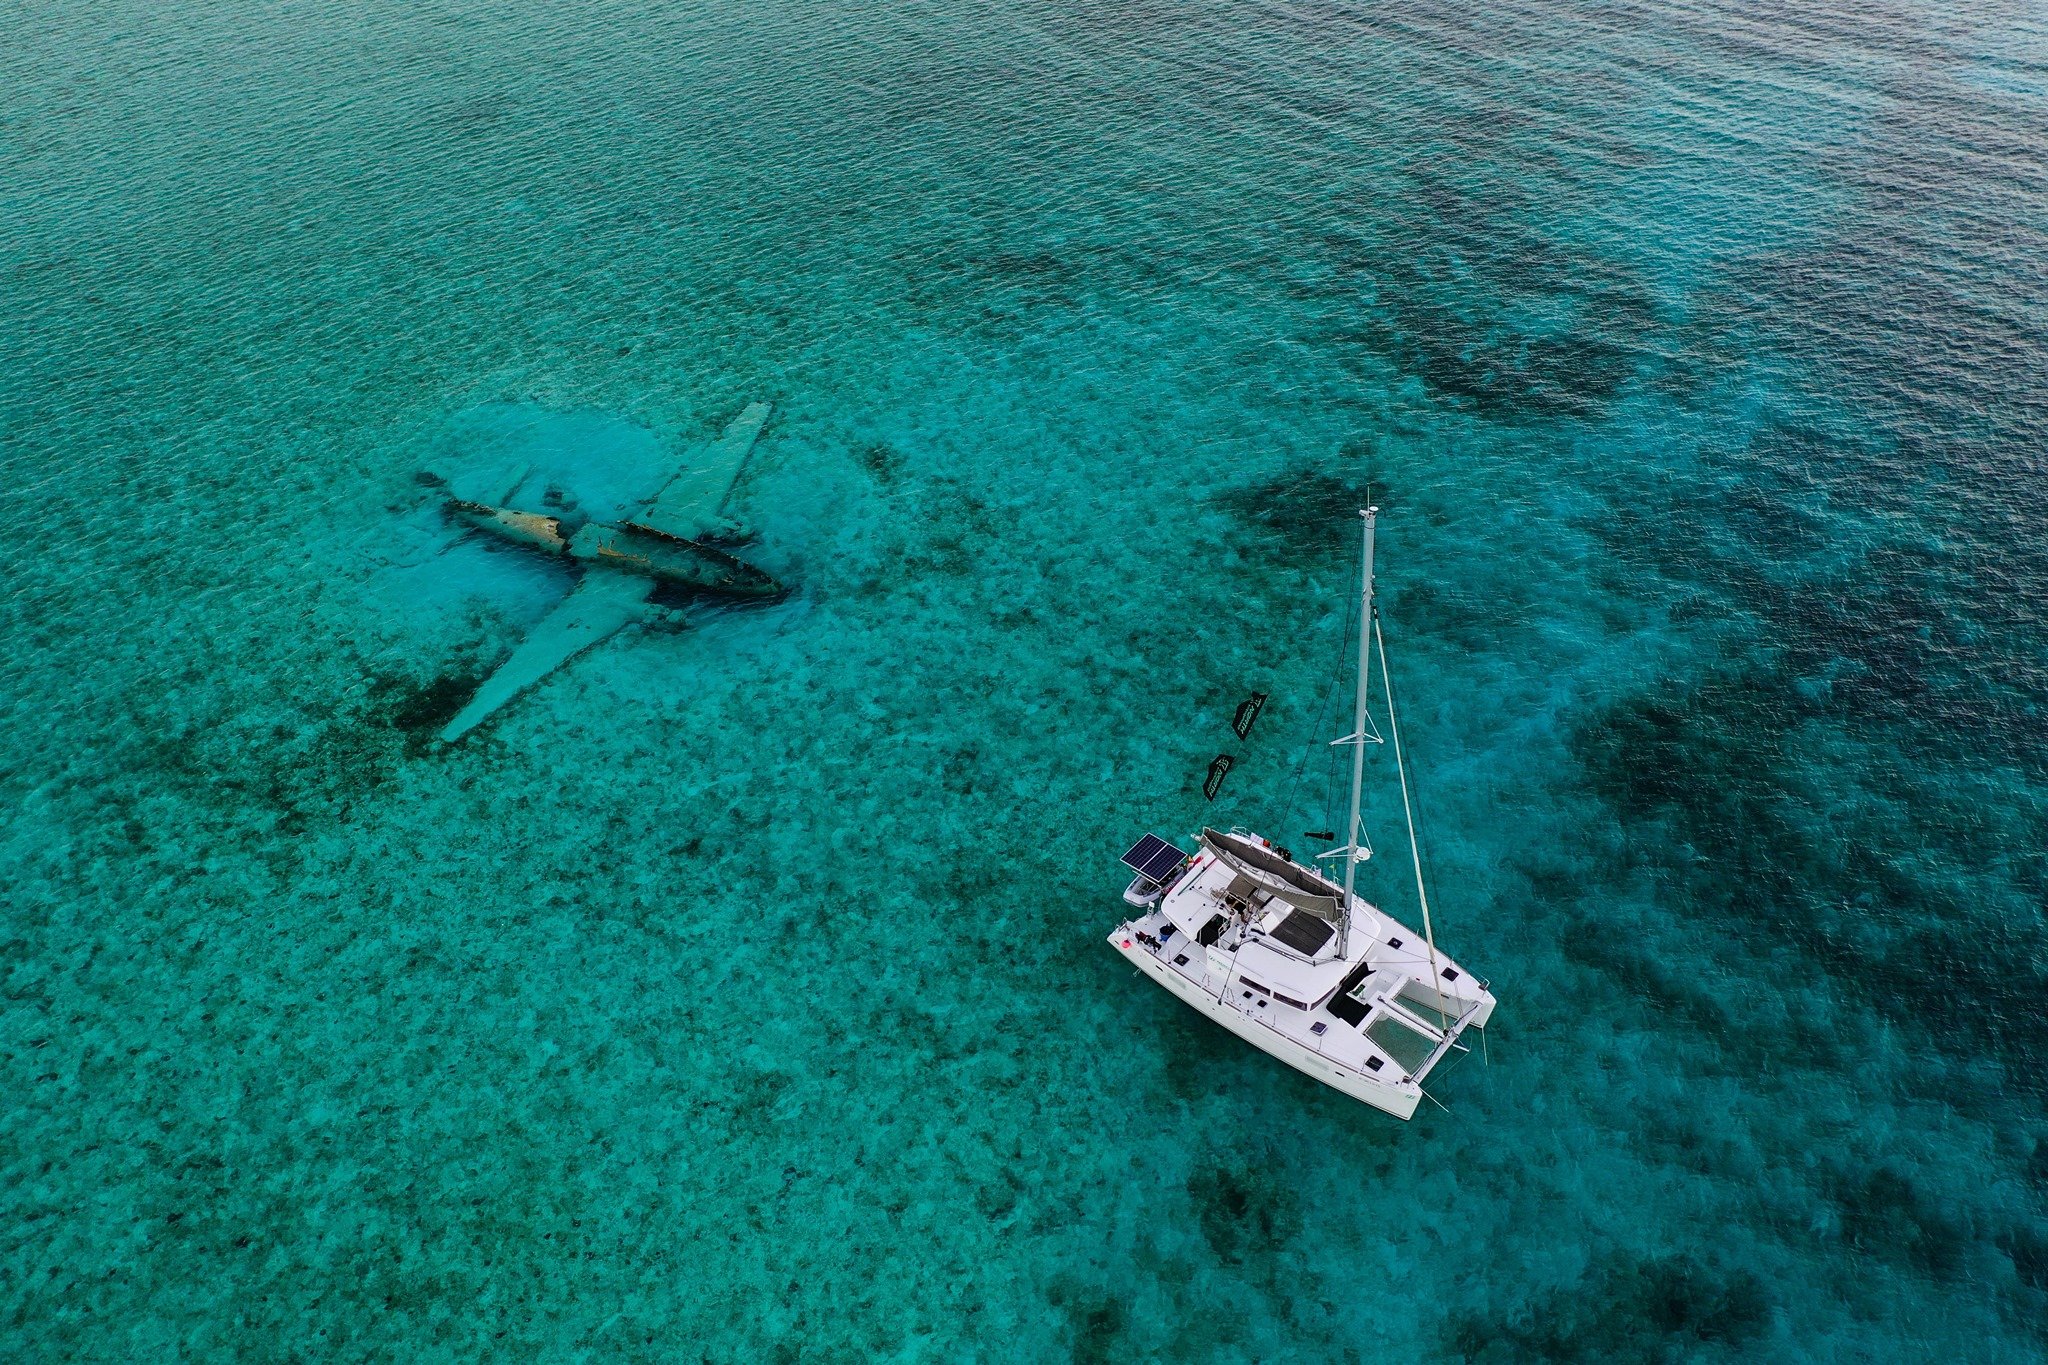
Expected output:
(1294, 964)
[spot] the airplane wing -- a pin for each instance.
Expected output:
(601, 605)
(689, 504)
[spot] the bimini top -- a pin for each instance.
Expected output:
(1153, 858)
(1288, 881)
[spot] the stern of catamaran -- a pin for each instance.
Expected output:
(1244, 934)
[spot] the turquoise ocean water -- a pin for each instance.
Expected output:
(741, 993)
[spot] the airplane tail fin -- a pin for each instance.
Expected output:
(492, 487)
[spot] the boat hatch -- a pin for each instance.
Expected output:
(1304, 932)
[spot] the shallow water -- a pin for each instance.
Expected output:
(741, 991)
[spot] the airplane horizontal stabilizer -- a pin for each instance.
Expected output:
(492, 486)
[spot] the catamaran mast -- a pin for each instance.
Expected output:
(1351, 841)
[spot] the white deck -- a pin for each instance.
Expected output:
(1392, 983)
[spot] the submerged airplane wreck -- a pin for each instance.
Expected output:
(667, 541)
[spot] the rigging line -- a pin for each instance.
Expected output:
(1407, 808)
(1327, 812)
(1301, 762)
(1423, 820)
(1329, 696)
(1356, 838)
(1329, 806)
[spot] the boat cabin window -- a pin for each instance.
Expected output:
(1254, 985)
(1289, 1000)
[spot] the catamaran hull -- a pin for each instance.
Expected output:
(1397, 1099)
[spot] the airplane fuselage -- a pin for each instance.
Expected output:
(625, 547)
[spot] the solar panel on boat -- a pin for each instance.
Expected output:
(1164, 862)
(1303, 932)
(1153, 857)
(1143, 849)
